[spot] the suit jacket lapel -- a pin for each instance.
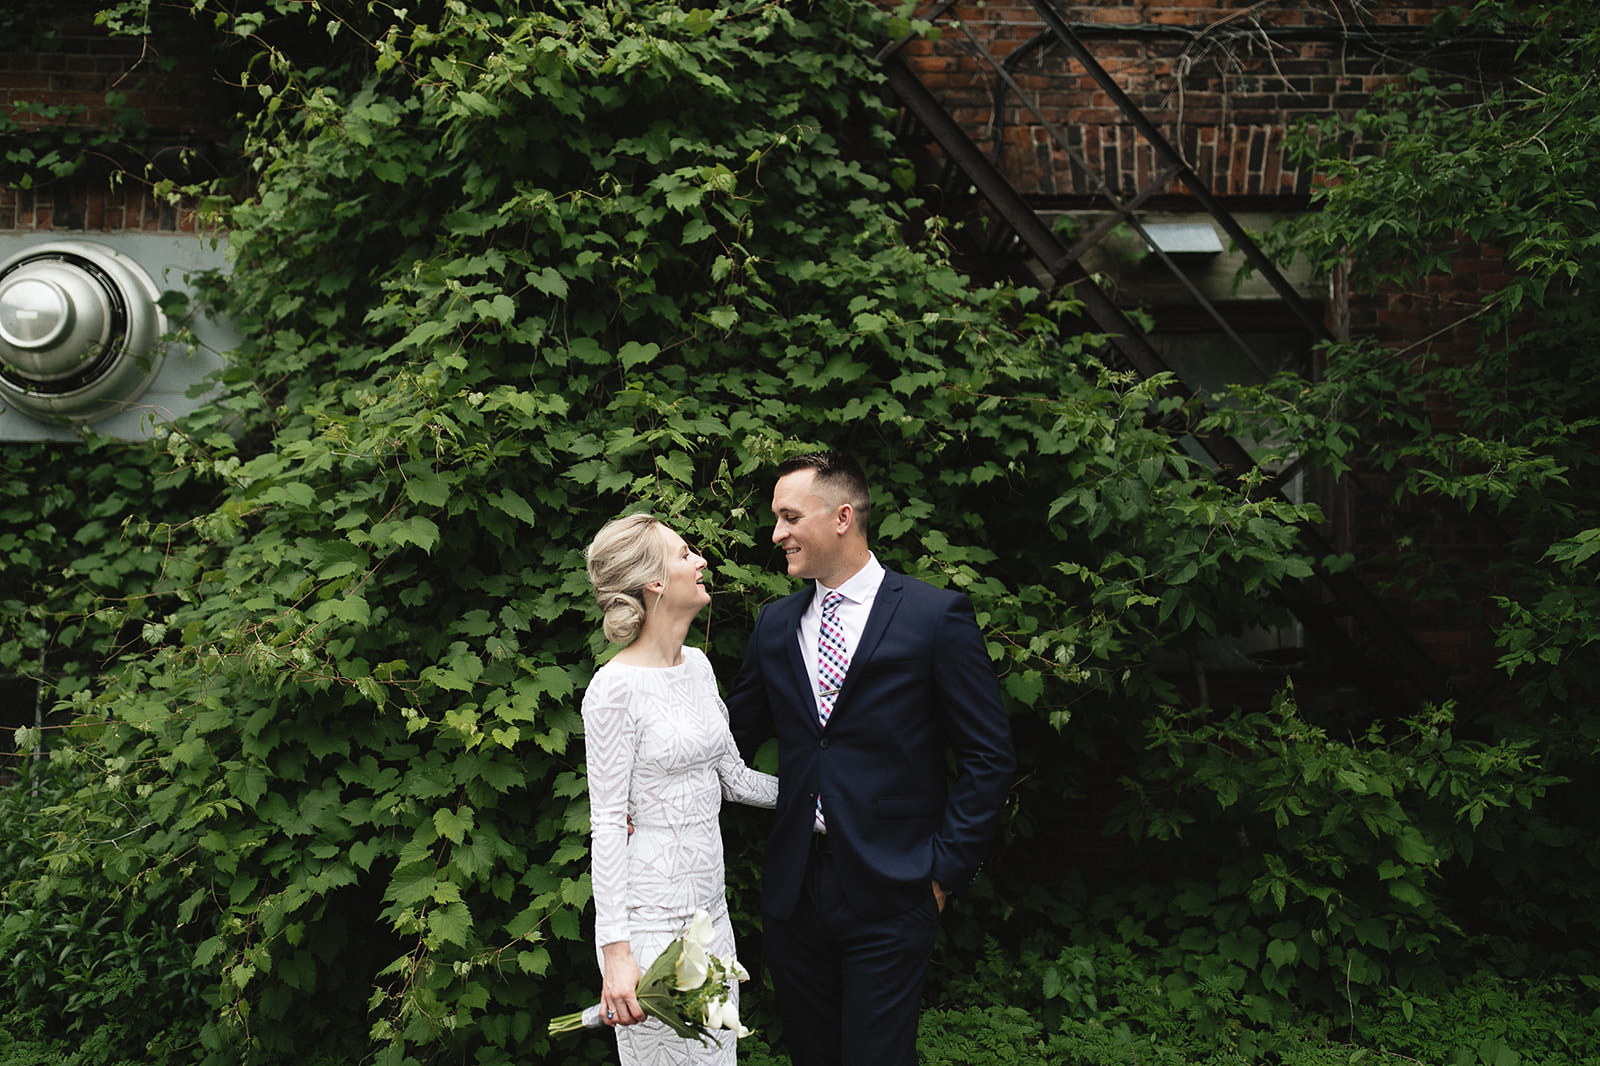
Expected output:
(884, 605)
(786, 625)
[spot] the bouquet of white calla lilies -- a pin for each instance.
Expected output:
(687, 988)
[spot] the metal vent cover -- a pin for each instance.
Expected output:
(80, 331)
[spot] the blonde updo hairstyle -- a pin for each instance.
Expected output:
(627, 554)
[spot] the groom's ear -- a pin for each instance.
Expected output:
(849, 521)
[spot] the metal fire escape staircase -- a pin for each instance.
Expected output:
(1013, 228)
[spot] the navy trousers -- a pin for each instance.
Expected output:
(849, 991)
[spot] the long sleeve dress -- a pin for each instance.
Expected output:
(659, 751)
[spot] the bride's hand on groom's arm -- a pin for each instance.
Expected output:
(621, 982)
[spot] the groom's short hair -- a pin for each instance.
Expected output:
(840, 473)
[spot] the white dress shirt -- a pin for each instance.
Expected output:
(859, 591)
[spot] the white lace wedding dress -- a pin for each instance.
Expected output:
(659, 751)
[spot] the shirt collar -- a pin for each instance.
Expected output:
(859, 585)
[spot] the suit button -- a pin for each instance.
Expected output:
(824, 743)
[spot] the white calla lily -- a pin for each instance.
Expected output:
(692, 967)
(722, 1014)
(699, 930)
(695, 962)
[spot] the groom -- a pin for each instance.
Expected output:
(868, 678)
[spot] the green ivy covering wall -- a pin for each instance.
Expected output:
(312, 657)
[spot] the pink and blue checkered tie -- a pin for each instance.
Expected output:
(832, 664)
(832, 660)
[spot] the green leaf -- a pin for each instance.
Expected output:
(337, 558)
(453, 825)
(678, 466)
(634, 354)
(428, 488)
(512, 504)
(1026, 687)
(418, 530)
(248, 783)
(450, 924)
(1413, 848)
(549, 281)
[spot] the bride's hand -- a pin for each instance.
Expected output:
(621, 982)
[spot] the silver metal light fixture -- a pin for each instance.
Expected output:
(80, 331)
(1183, 238)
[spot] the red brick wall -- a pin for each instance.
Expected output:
(76, 65)
(1222, 80)
(93, 206)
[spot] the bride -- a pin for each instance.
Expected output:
(660, 758)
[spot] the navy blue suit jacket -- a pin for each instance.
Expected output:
(920, 685)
